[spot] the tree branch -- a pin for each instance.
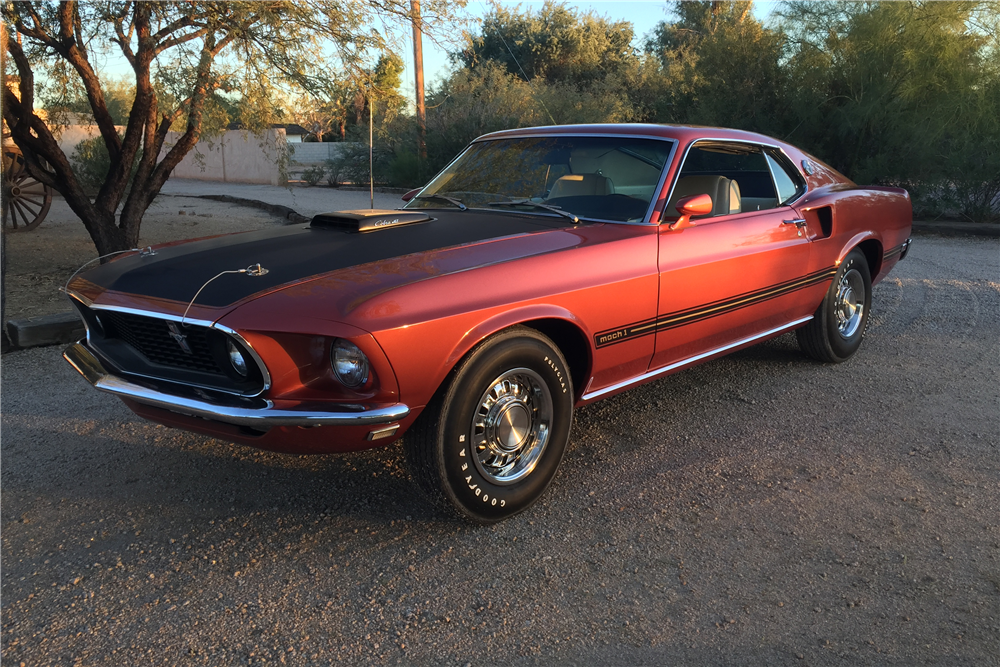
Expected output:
(91, 83)
(172, 27)
(67, 12)
(170, 43)
(38, 32)
(78, 32)
(120, 172)
(190, 137)
(124, 41)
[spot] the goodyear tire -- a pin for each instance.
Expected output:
(492, 439)
(835, 332)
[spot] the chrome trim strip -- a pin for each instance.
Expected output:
(659, 186)
(84, 361)
(265, 375)
(690, 360)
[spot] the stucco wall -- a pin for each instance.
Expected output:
(235, 157)
(315, 152)
(71, 135)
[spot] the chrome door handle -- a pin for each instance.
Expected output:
(798, 222)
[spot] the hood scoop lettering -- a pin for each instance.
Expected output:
(367, 220)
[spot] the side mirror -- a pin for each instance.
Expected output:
(411, 194)
(689, 206)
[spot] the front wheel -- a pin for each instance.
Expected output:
(835, 332)
(490, 443)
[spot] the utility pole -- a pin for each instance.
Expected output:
(371, 145)
(418, 66)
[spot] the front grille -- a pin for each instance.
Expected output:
(152, 337)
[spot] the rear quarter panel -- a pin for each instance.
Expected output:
(877, 218)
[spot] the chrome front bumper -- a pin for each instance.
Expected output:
(256, 413)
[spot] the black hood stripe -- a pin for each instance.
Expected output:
(291, 254)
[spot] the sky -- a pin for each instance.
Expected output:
(642, 14)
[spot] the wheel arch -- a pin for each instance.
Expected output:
(574, 345)
(870, 246)
(872, 250)
(561, 326)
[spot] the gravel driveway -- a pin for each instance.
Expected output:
(761, 509)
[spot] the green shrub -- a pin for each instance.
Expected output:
(352, 166)
(404, 171)
(334, 169)
(91, 163)
(313, 175)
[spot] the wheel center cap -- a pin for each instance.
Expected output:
(512, 427)
(847, 302)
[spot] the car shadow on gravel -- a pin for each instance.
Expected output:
(149, 467)
(152, 468)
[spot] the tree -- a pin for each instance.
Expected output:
(180, 54)
(556, 44)
(342, 103)
(724, 66)
(903, 93)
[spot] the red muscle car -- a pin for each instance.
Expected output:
(543, 269)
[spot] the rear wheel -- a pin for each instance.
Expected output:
(490, 443)
(835, 332)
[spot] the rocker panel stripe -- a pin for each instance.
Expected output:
(691, 315)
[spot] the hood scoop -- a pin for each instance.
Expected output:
(367, 220)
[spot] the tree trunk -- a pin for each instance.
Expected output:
(107, 236)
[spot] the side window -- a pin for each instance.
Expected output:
(736, 175)
(787, 187)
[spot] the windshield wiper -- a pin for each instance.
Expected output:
(528, 202)
(450, 200)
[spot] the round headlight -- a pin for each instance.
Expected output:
(236, 358)
(349, 363)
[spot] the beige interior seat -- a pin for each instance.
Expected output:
(735, 201)
(582, 185)
(724, 192)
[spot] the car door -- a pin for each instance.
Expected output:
(736, 275)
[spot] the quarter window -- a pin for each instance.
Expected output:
(787, 187)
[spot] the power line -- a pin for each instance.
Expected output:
(516, 62)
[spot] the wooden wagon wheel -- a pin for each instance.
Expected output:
(25, 200)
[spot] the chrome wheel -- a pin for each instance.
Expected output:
(849, 307)
(511, 426)
(488, 446)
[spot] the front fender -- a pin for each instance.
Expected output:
(508, 318)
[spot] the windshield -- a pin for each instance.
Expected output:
(602, 178)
